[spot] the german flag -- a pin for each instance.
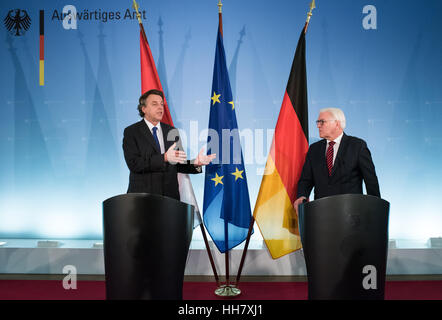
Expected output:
(42, 50)
(274, 212)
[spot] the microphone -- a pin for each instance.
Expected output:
(177, 140)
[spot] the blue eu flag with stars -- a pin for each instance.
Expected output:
(226, 211)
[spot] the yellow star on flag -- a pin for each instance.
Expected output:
(217, 179)
(233, 105)
(238, 174)
(215, 98)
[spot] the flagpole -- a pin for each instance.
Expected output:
(244, 252)
(220, 15)
(206, 242)
(243, 257)
(226, 290)
(309, 15)
(226, 225)
(136, 7)
(226, 253)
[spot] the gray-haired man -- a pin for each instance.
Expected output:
(338, 163)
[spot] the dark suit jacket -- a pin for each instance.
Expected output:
(149, 172)
(353, 164)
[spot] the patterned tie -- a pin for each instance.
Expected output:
(154, 130)
(329, 157)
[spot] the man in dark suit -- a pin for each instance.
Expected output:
(338, 163)
(153, 151)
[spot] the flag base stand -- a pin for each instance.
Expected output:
(227, 291)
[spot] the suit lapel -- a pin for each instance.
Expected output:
(146, 132)
(342, 148)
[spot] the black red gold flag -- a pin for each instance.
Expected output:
(274, 212)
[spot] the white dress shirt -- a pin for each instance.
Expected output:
(335, 146)
(159, 133)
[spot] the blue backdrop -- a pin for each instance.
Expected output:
(60, 144)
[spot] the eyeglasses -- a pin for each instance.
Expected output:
(321, 122)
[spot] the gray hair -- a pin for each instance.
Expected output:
(337, 114)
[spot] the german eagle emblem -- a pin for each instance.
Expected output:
(17, 22)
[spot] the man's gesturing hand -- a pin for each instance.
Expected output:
(175, 156)
(203, 160)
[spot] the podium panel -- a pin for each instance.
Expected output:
(345, 241)
(146, 239)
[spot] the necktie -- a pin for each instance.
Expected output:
(154, 130)
(329, 156)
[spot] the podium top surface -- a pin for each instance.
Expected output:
(349, 197)
(132, 196)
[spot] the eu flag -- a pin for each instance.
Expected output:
(227, 213)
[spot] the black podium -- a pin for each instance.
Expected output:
(146, 242)
(345, 241)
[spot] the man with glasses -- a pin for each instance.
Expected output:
(338, 163)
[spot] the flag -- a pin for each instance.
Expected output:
(150, 80)
(274, 212)
(42, 50)
(226, 211)
(149, 75)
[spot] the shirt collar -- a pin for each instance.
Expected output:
(150, 125)
(338, 139)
